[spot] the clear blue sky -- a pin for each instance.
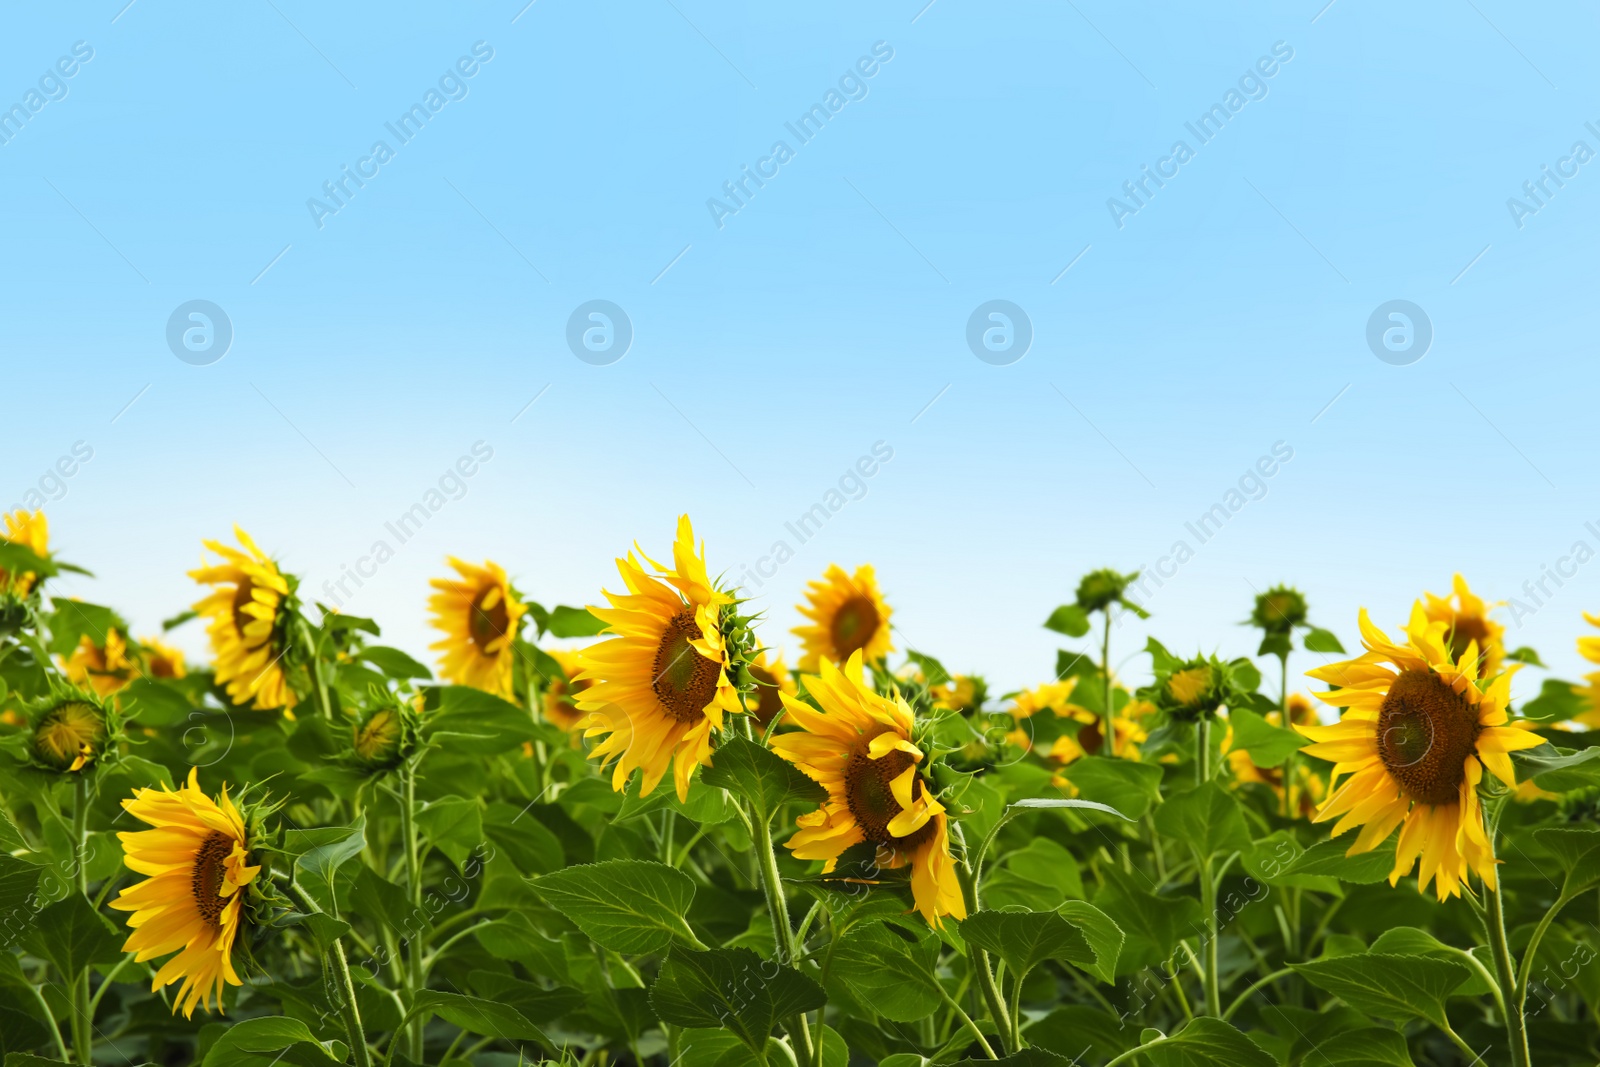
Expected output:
(374, 345)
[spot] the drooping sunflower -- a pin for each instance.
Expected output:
(1418, 731)
(847, 614)
(480, 615)
(161, 660)
(560, 692)
(31, 529)
(104, 668)
(1465, 616)
(249, 623)
(197, 859)
(772, 680)
(859, 748)
(660, 684)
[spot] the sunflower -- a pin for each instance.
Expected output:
(1306, 790)
(32, 530)
(1414, 741)
(1054, 697)
(1090, 739)
(70, 735)
(772, 680)
(161, 660)
(103, 668)
(859, 748)
(659, 686)
(847, 615)
(198, 859)
(1466, 620)
(248, 627)
(480, 616)
(560, 691)
(1589, 649)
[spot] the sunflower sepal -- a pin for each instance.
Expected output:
(70, 731)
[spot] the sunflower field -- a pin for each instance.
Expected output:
(633, 833)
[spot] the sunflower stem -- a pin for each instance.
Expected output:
(1525, 976)
(337, 968)
(980, 959)
(1283, 721)
(1108, 736)
(1202, 750)
(1208, 901)
(413, 944)
(323, 703)
(966, 1020)
(778, 910)
(1516, 1024)
(82, 1009)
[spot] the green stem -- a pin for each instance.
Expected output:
(1108, 737)
(1516, 1025)
(1202, 750)
(778, 911)
(50, 1019)
(966, 1020)
(413, 944)
(338, 967)
(1016, 1010)
(1525, 976)
(323, 702)
(1283, 721)
(1239, 1001)
(1208, 901)
(990, 992)
(82, 1009)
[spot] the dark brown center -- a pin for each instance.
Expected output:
(1089, 738)
(486, 625)
(1426, 731)
(871, 798)
(210, 874)
(243, 594)
(1467, 629)
(684, 680)
(768, 702)
(853, 625)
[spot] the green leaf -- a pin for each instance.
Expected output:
(155, 703)
(1388, 986)
(1028, 1057)
(1025, 939)
(394, 663)
(1105, 937)
(1370, 1046)
(73, 620)
(734, 989)
(1208, 819)
(1069, 802)
(73, 936)
(1525, 654)
(1277, 644)
(1412, 941)
(375, 897)
(1577, 849)
(573, 622)
(1068, 619)
(933, 671)
(1557, 701)
(254, 1041)
(632, 906)
(1319, 640)
(28, 1059)
(1328, 858)
(477, 1016)
(1129, 787)
(19, 880)
(1152, 924)
(890, 968)
(453, 825)
(1267, 744)
(331, 849)
(760, 776)
(479, 723)
(1557, 769)
(1207, 1042)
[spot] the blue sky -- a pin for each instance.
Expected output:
(375, 345)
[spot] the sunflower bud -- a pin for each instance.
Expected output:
(1100, 589)
(1279, 610)
(384, 737)
(69, 735)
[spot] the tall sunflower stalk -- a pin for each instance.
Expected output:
(1099, 591)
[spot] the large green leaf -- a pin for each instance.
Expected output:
(453, 825)
(1319, 640)
(1328, 858)
(320, 853)
(1369, 1046)
(1025, 939)
(73, 936)
(1152, 924)
(478, 1016)
(1068, 619)
(762, 777)
(474, 723)
(1267, 744)
(1557, 701)
(891, 969)
(1413, 941)
(1208, 819)
(632, 906)
(1105, 937)
(1577, 849)
(1388, 986)
(273, 1039)
(1129, 787)
(1207, 1042)
(573, 622)
(19, 881)
(734, 989)
(1557, 769)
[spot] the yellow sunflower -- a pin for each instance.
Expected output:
(559, 692)
(772, 680)
(480, 617)
(1466, 619)
(859, 748)
(847, 616)
(70, 735)
(161, 660)
(658, 686)
(1589, 649)
(197, 858)
(245, 609)
(1055, 697)
(1414, 741)
(1306, 790)
(103, 668)
(28, 528)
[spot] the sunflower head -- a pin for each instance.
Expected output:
(157, 659)
(1100, 589)
(1419, 729)
(104, 667)
(657, 688)
(71, 732)
(1191, 689)
(28, 530)
(1465, 617)
(1279, 610)
(252, 610)
(480, 615)
(199, 860)
(859, 745)
(385, 736)
(771, 680)
(847, 615)
(561, 689)
(1054, 697)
